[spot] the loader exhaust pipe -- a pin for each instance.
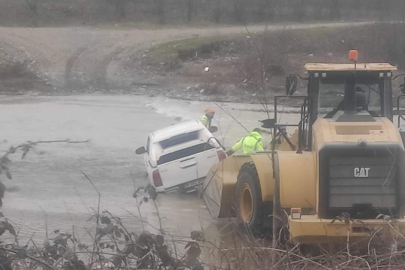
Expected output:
(350, 94)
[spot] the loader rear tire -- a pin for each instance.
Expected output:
(248, 197)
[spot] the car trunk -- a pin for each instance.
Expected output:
(186, 165)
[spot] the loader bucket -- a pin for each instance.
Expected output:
(220, 184)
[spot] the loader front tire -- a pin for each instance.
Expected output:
(248, 197)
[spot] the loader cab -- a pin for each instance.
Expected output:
(345, 93)
(371, 89)
(349, 117)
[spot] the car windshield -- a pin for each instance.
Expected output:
(331, 98)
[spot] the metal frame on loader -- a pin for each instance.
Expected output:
(337, 179)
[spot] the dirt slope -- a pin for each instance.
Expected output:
(88, 58)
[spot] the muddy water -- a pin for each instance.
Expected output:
(49, 190)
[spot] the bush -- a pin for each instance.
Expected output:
(115, 246)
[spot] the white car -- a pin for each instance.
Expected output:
(180, 156)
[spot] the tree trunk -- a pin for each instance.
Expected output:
(190, 9)
(217, 11)
(299, 10)
(160, 11)
(238, 10)
(120, 9)
(33, 7)
(334, 10)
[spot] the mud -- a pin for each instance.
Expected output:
(49, 190)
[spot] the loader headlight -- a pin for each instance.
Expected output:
(295, 213)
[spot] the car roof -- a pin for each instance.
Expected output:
(173, 130)
(350, 67)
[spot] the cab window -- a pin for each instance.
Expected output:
(331, 96)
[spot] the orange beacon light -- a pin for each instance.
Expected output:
(353, 55)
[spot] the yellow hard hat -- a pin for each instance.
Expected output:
(210, 111)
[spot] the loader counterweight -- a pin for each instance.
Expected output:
(311, 229)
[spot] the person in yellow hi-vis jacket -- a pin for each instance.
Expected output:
(251, 143)
(206, 119)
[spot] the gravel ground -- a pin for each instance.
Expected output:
(84, 59)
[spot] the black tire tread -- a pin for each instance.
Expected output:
(256, 225)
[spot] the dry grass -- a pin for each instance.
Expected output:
(20, 76)
(118, 247)
(236, 62)
(239, 250)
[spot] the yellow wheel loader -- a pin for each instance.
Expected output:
(340, 176)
